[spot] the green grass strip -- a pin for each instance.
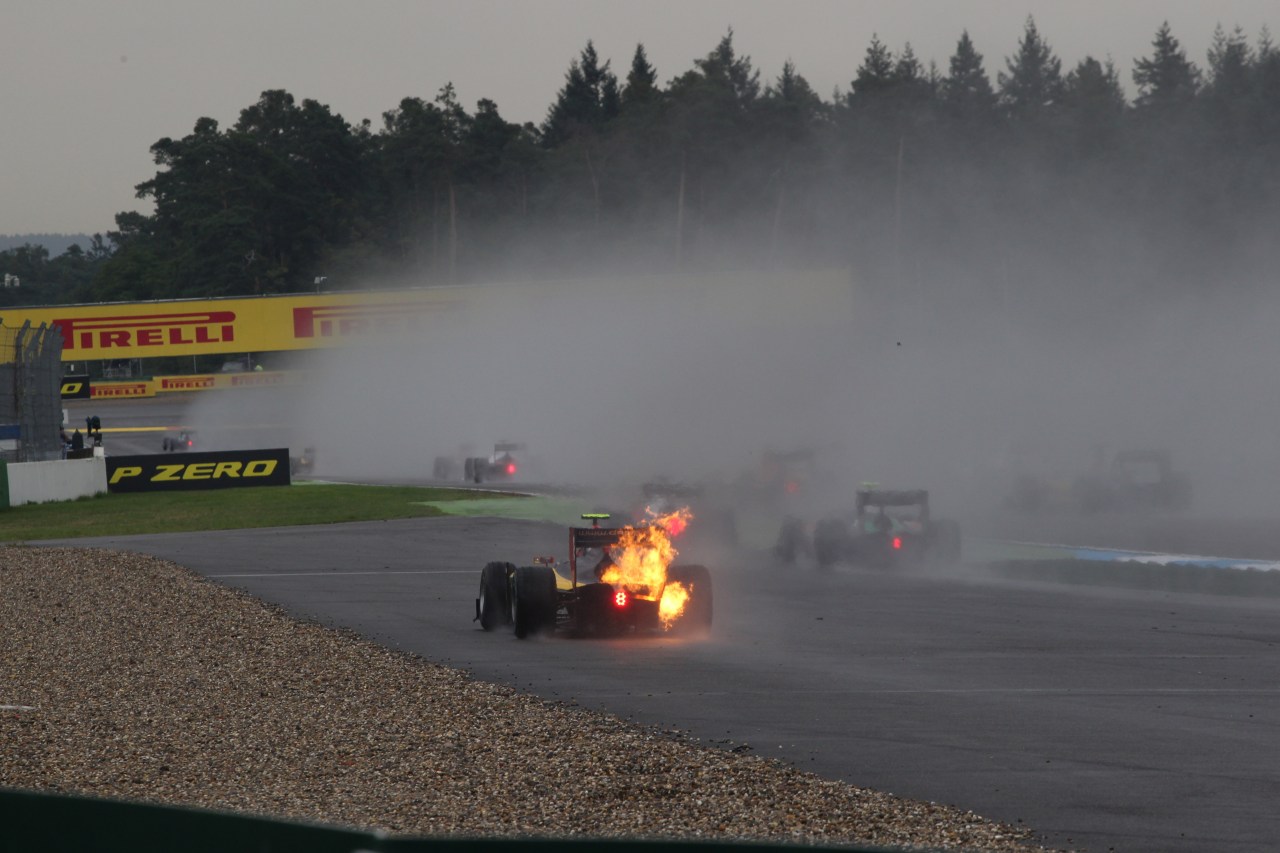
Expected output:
(567, 511)
(224, 509)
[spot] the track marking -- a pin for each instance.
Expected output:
(17, 708)
(334, 574)
(973, 691)
(1093, 553)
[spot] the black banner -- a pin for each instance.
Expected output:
(223, 469)
(75, 387)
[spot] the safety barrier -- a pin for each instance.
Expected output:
(51, 823)
(58, 480)
(106, 389)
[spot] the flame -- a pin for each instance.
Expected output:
(674, 523)
(640, 561)
(674, 598)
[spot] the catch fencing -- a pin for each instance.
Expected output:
(30, 393)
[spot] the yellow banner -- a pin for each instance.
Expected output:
(263, 324)
(190, 327)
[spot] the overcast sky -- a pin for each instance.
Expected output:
(89, 85)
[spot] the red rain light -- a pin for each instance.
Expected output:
(620, 598)
(511, 467)
(897, 543)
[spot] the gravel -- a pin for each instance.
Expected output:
(127, 676)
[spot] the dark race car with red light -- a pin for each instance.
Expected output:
(185, 441)
(501, 465)
(617, 580)
(889, 528)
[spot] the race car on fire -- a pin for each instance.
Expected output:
(617, 580)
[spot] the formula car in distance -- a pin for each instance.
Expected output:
(717, 522)
(1139, 480)
(888, 528)
(631, 588)
(1135, 480)
(501, 465)
(185, 441)
(304, 463)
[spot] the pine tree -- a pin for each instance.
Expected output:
(966, 88)
(1167, 77)
(875, 74)
(1094, 88)
(588, 99)
(1033, 80)
(1094, 103)
(1230, 65)
(642, 80)
(724, 66)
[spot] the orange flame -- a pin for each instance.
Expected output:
(640, 561)
(674, 523)
(674, 598)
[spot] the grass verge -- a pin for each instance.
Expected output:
(222, 509)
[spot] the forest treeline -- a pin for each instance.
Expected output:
(1044, 181)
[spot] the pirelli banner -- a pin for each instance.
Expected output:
(176, 472)
(324, 320)
(220, 381)
(118, 389)
(258, 324)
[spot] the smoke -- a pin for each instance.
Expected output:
(613, 382)
(601, 383)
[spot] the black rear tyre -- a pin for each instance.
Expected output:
(830, 542)
(792, 542)
(946, 543)
(698, 611)
(495, 608)
(533, 608)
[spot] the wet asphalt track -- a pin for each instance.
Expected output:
(1102, 718)
(1126, 719)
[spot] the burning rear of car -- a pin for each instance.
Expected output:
(617, 580)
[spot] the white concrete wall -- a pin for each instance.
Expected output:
(59, 480)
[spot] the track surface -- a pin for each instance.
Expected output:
(1105, 719)
(1139, 721)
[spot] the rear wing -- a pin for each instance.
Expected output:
(883, 498)
(589, 537)
(669, 490)
(507, 446)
